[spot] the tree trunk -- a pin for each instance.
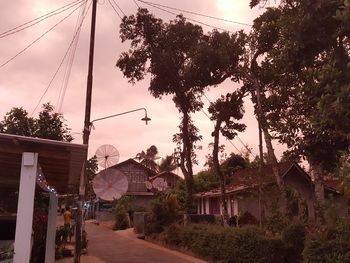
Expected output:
(317, 175)
(186, 161)
(263, 124)
(219, 173)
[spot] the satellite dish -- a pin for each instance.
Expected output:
(110, 184)
(107, 155)
(148, 185)
(160, 184)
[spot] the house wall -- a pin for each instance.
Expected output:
(136, 177)
(249, 204)
(304, 187)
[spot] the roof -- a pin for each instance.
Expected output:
(245, 179)
(61, 162)
(165, 173)
(150, 172)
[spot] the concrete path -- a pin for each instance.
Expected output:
(107, 246)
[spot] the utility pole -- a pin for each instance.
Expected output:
(86, 135)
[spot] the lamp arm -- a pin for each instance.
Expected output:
(118, 114)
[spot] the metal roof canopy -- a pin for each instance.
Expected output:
(61, 162)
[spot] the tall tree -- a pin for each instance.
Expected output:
(149, 158)
(49, 125)
(226, 110)
(306, 74)
(182, 61)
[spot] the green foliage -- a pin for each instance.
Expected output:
(205, 180)
(246, 218)
(276, 222)
(148, 158)
(49, 124)
(90, 172)
(293, 237)
(164, 211)
(182, 62)
(122, 207)
(167, 164)
(242, 245)
(333, 248)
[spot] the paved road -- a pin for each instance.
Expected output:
(122, 247)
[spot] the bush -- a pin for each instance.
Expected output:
(121, 210)
(293, 237)
(163, 213)
(239, 245)
(246, 218)
(333, 248)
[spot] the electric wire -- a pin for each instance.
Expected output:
(115, 10)
(37, 39)
(190, 19)
(138, 6)
(198, 14)
(70, 59)
(62, 61)
(39, 19)
(119, 8)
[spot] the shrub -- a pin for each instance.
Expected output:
(246, 218)
(293, 237)
(333, 248)
(121, 210)
(163, 214)
(244, 245)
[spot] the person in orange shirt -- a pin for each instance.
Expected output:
(67, 216)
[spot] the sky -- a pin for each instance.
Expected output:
(23, 80)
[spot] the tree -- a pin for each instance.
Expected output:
(17, 122)
(49, 125)
(167, 164)
(225, 110)
(91, 169)
(182, 62)
(148, 158)
(305, 74)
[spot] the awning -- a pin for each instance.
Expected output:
(61, 162)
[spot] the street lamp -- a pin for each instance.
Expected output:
(146, 119)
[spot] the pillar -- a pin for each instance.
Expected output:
(24, 223)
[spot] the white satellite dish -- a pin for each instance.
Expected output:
(148, 185)
(107, 155)
(110, 184)
(160, 184)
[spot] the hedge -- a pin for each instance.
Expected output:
(238, 245)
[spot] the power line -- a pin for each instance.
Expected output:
(136, 4)
(119, 8)
(61, 63)
(115, 10)
(69, 64)
(191, 19)
(37, 39)
(198, 14)
(39, 19)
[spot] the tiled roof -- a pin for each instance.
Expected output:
(247, 178)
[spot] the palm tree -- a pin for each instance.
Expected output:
(148, 158)
(167, 164)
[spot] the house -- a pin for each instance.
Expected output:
(138, 175)
(259, 194)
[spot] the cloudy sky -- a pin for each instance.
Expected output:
(24, 79)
